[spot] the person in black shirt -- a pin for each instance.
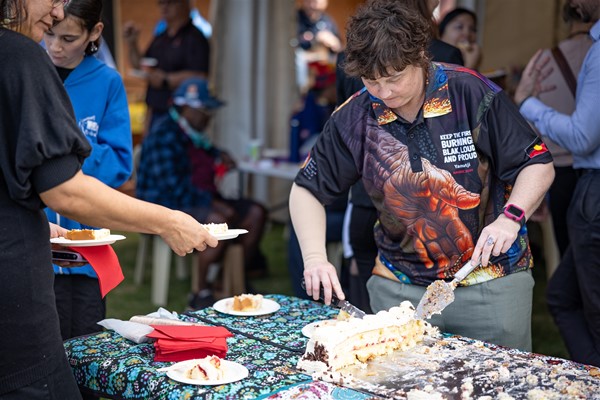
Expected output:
(179, 53)
(362, 215)
(452, 168)
(41, 153)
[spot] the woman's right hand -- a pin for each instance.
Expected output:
(322, 273)
(184, 234)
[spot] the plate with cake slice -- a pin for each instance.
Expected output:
(210, 370)
(230, 234)
(87, 238)
(222, 231)
(246, 305)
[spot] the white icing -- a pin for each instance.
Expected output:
(357, 340)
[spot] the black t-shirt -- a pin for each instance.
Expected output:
(188, 50)
(40, 148)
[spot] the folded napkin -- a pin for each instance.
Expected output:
(179, 343)
(105, 262)
(130, 330)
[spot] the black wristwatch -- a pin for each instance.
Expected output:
(165, 82)
(515, 213)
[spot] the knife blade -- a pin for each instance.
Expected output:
(348, 307)
(343, 305)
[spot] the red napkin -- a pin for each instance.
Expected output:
(179, 343)
(186, 354)
(105, 262)
(190, 332)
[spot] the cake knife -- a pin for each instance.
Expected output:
(441, 293)
(343, 305)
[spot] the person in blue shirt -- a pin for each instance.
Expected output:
(573, 296)
(178, 168)
(100, 104)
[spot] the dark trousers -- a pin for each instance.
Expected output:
(561, 193)
(80, 305)
(364, 248)
(573, 293)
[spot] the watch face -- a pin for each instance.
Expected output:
(514, 210)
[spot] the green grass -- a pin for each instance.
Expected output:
(128, 299)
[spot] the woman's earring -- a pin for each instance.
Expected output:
(93, 47)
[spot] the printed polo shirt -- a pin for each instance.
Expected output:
(437, 181)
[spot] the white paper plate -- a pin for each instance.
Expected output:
(230, 234)
(224, 306)
(233, 372)
(308, 330)
(87, 243)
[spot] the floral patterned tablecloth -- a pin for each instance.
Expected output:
(113, 367)
(269, 347)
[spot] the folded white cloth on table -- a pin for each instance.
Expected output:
(133, 331)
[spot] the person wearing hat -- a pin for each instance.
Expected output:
(178, 168)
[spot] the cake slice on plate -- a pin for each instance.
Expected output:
(247, 302)
(87, 234)
(209, 368)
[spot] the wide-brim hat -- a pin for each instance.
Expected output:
(194, 93)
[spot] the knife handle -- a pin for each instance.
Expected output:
(334, 299)
(468, 268)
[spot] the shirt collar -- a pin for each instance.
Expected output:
(437, 101)
(595, 31)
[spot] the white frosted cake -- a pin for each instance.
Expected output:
(343, 343)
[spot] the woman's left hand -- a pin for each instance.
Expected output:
(59, 231)
(56, 230)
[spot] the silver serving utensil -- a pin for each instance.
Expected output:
(343, 305)
(441, 293)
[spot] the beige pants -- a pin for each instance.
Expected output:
(497, 311)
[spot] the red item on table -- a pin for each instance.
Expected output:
(179, 343)
(105, 263)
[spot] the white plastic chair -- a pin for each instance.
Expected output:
(161, 267)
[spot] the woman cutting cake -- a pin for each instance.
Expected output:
(452, 168)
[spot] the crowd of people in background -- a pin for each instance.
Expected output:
(377, 121)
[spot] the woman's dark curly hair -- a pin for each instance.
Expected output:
(384, 34)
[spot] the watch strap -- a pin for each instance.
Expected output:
(517, 218)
